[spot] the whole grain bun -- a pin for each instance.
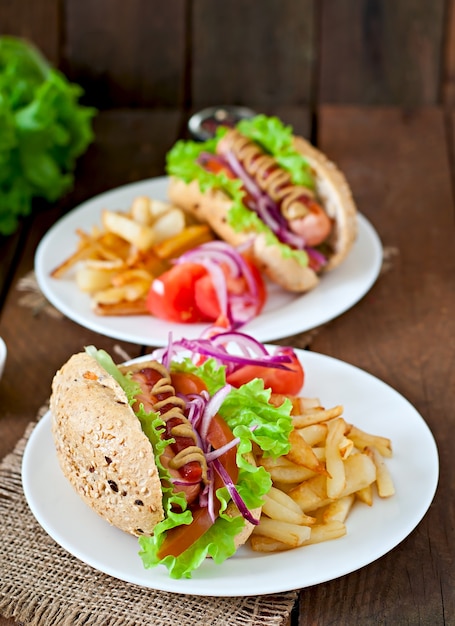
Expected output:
(332, 189)
(102, 449)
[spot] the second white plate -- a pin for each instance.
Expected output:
(285, 313)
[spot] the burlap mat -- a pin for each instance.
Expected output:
(40, 583)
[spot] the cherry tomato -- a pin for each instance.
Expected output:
(287, 382)
(172, 295)
(180, 538)
(315, 227)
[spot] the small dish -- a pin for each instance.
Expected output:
(203, 125)
(3, 352)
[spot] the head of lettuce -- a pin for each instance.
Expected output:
(43, 129)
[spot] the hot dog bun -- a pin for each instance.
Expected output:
(331, 188)
(101, 447)
(103, 451)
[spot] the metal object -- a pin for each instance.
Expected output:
(203, 124)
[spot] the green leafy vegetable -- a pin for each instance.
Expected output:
(43, 129)
(276, 139)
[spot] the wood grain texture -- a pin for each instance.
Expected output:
(403, 331)
(248, 52)
(448, 78)
(38, 22)
(381, 52)
(127, 53)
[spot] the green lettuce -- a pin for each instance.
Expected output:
(43, 129)
(276, 139)
(252, 419)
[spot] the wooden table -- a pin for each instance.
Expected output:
(400, 166)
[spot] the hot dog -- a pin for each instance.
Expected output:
(260, 184)
(139, 445)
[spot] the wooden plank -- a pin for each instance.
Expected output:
(39, 22)
(242, 55)
(448, 79)
(403, 331)
(127, 53)
(129, 145)
(381, 52)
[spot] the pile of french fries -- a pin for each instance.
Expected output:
(117, 262)
(331, 465)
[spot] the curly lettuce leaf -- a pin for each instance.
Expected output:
(43, 130)
(277, 139)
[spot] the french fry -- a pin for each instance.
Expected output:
(279, 506)
(190, 237)
(336, 481)
(362, 440)
(326, 532)
(266, 544)
(136, 307)
(316, 416)
(168, 225)
(284, 471)
(338, 510)
(141, 236)
(301, 453)
(92, 279)
(314, 434)
(84, 251)
(384, 481)
(365, 495)
(293, 535)
(311, 494)
(132, 275)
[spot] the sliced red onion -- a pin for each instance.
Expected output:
(212, 408)
(315, 255)
(236, 498)
(214, 454)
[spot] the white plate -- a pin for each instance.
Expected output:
(371, 532)
(338, 290)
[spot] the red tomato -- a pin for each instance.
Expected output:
(182, 537)
(186, 294)
(214, 165)
(186, 383)
(287, 382)
(172, 295)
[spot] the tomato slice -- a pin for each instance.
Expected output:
(214, 165)
(172, 295)
(180, 538)
(286, 382)
(186, 293)
(187, 384)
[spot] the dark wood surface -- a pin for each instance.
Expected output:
(403, 331)
(372, 82)
(267, 52)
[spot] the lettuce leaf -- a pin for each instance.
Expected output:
(43, 129)
(181, 162)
